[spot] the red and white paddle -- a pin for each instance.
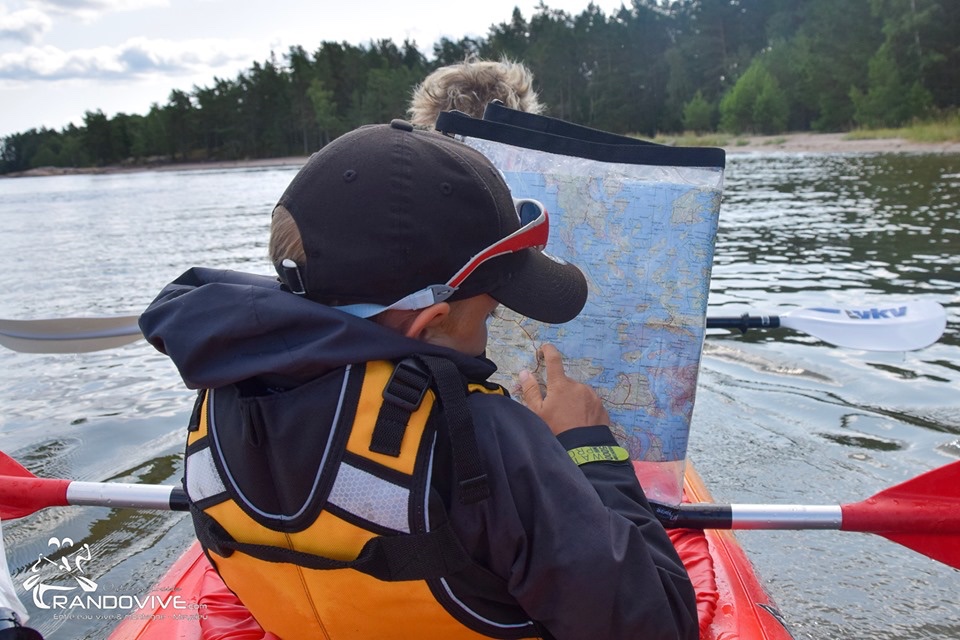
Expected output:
(922, 514)
(22, 493)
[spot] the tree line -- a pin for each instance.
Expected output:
(739, 66)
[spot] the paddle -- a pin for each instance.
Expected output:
(901, 326)
(894, 327)
(22, 493)
(68, 335)
(922, 514)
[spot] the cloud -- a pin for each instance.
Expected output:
(135, 58)
(25, 26)
(91, 8)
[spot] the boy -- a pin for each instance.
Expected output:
(469, 86)
(352, 472)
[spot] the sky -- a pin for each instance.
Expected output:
(62, 58)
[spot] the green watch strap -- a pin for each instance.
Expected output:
(602, 453)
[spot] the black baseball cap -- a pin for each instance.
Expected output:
(387, 210)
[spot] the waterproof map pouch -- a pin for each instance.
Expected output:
(640, 220)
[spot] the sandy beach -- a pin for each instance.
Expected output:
(833, 143)
(813, 143)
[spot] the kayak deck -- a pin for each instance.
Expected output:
(742, 608)
(184, 579)
(732, 603)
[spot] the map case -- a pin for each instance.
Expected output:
(640, 220)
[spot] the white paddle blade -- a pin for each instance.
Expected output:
(68, 335)
(904, 326)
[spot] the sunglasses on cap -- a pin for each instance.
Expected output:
(533, 234)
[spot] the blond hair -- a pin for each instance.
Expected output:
(469, 86)
(285, 240)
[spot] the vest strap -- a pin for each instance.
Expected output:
(421, 556)
(402, 396)
(468, 467)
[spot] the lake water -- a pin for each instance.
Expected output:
(780, 417)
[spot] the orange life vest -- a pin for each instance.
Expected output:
(365, 550)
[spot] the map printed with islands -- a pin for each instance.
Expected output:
(644, 237)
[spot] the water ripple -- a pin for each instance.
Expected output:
(780, 416)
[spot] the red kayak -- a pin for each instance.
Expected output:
(731, 601)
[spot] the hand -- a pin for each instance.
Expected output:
(567, 404)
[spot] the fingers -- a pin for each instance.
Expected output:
(567, 404)
(530, 391)
(553, 363)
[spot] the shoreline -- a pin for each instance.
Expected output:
(821, 143)
(290, 161)
(790, 143)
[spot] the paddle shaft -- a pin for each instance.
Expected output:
(126, 326)
(744, 322)
(851, 517)
(21, 494)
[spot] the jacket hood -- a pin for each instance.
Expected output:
(222, 327)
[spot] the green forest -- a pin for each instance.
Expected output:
(655, 66)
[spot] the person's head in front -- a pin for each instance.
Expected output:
(353, 471)
(469, 86)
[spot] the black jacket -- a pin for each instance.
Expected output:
(579, 547)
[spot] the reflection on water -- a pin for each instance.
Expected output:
(783, 418)
(851, 226)
(780, 416)
(105, 245)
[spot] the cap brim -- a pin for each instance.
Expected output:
(544, 288)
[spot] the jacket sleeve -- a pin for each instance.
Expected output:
(615, 482)
(579, 547)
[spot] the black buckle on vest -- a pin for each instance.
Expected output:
(194, 424)
(474, 489)
(402, 396)
(407, 385)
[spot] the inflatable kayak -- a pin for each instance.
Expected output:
(732, 603)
